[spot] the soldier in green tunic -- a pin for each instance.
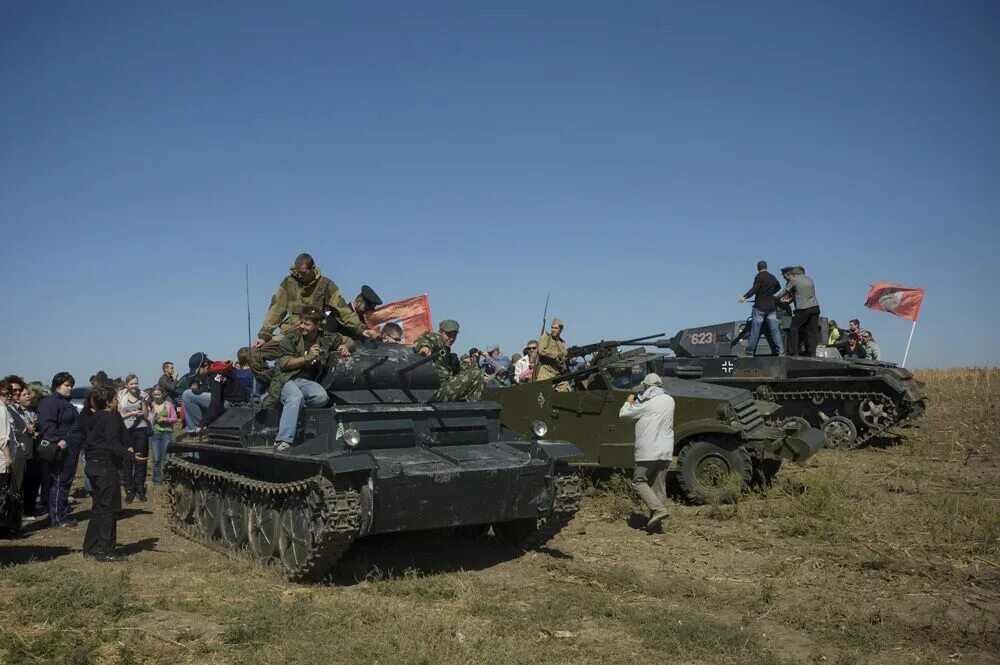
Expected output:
(457, 383)
(303, 287)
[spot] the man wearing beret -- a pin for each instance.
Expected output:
(457, 383)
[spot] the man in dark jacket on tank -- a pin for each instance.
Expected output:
(765, 285)
(56, 418)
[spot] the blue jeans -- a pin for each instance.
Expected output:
(297, 394)
(158, 443)
(757, 318)
(195, 405)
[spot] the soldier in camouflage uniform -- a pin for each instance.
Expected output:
(303, 356)
(553, 359)
(457, 383)
(303, 287)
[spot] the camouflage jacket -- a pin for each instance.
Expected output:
(551, 353)
(292, 295)
(445, 362)
(293, 346)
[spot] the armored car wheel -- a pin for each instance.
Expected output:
(840, 432)
(233, 518)
(295, 538)
(262, 530)
(713, 471)
(207, 509)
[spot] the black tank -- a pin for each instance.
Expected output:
(851, 400)
(380, 459)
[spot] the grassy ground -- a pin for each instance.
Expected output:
(888, 554)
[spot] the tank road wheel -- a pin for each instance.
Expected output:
(295, 538)
(207, 509)
(182, 500)
(233, 518)
(713, 471)
(516, 533)
(840, 432)
(262, 530)
(877, 414)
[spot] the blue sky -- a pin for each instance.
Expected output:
(634, 159)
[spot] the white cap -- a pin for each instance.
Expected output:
(653, 379)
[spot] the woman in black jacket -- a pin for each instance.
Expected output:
(56, 417)
(106, 452)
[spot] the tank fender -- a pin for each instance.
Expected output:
(801, 445)
(351, 463)
(559, 450)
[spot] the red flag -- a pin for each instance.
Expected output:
(413, 314)
(903, 301)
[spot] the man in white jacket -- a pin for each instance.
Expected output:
(653, 413)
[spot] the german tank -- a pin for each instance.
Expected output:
(852, 401)
(718, 431)
(380, 459)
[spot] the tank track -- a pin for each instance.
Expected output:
(335, 524)
(568, 488)
(865, 432)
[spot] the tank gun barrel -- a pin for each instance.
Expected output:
(406, 369)
(587, 349)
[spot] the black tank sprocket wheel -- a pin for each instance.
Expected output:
(320, 521)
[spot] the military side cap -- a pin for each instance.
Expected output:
(368, 293)
(787, 269)
(449, 325)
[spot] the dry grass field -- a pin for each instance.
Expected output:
(888, 554)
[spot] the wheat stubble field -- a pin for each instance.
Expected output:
(888, 554)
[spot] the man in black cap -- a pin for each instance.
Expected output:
(210, 391)
(362, 305)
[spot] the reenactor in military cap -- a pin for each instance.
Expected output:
(457, 383)
(304, 287)
(362, 305)
(553, 358)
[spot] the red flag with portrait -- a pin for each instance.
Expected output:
(412, 314)
(903, 301)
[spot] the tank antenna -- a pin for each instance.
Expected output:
(253, 377)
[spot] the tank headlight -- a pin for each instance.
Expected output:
(539, 428)
(352, 437)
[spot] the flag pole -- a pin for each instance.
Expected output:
(907, 352)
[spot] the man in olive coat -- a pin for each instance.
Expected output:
(457, 383)
(305, 286)
(553, 359)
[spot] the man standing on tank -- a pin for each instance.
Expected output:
(456, 383)
(553, 358)
(303, 355)
(765, 285)
(305, 286)
(805, 322)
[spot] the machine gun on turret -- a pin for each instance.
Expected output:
(606, 345)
